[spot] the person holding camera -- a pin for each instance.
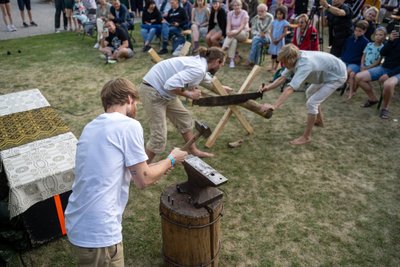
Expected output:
(340, 24)
(115, 44)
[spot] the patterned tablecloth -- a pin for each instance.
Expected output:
(35, 169)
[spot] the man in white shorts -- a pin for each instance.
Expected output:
(323, 71)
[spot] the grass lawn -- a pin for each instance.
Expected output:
(333, 202)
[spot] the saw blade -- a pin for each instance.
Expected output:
(226, 99)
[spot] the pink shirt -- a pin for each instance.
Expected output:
(236, 20)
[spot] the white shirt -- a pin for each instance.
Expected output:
(178, 72)
(108, 145)
(316, 68)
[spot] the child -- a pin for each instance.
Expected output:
(371, 56)
(79, 13)
(279, 31)
(353, 50)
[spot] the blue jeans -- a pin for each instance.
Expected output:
(149, 31)
(255, 50)
(168, 31)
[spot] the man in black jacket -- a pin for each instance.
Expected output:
(172, 25)
(339, 23)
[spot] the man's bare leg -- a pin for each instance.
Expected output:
(319, 122)
(306, 137)
(193, 149)
(151, 155)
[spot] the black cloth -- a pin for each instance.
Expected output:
(391, 52)
(148, 17)
(370, 30)
(221, 19)
(340, 28)
(177, 15)
(116, 39)
(300, 7)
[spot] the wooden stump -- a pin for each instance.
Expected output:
(191, 237)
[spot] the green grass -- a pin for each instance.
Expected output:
(333, 202)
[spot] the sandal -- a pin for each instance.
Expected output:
(369, 103)
(384, 114)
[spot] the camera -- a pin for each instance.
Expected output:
(397, 28)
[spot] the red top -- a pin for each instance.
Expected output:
(306, 43)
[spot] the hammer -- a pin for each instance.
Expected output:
(202, 130)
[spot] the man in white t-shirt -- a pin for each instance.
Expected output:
(323, 71)
(110, 153)
(165, 81)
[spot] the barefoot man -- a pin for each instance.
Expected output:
(160, 88)
(323, 71)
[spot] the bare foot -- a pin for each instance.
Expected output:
(300, 141)
(350, 95)
(200, 154)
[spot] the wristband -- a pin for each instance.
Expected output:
(171, 158)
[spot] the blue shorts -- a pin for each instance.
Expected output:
(353, 67)
(377, 72)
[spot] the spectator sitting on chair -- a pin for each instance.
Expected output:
(200, 18)
(172, 25)
(151, 24)
(388, 91)
(305, 36)
(103, 9)
(216, 24)
(391, 66)
(237, 29)
(119, 14)
(371, 15)
(261, 32)
(371, 56)
(79, 13)
(353, 51)
(115, 43)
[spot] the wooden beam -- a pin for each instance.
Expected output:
(221, 124)
(154, 56)
(185, 49)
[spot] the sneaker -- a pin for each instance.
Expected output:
(96, 46)
(58, 30)
(384, 114)
(33, 24)
(9, 29)
(25, 24)
(13, 28)
(232, 64)
(102, 56)
(163, 51)
(111, 61)
(177, 51)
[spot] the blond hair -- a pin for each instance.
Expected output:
(289, 54)
(116, 92)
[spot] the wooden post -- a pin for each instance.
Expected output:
(154, 56)
(232, 109)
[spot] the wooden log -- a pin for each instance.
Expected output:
(190, 236)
